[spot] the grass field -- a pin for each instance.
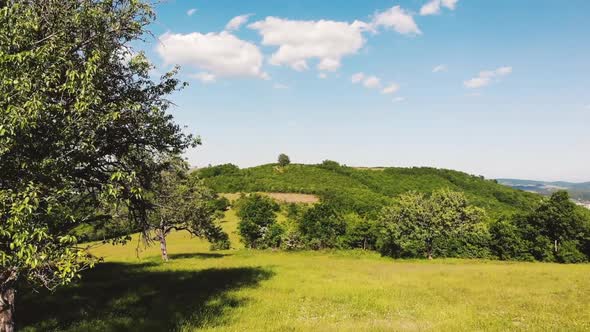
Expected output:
(242, 290)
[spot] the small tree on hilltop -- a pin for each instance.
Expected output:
(417, 222)
(183, 205)
(284, 160)
(258, 220)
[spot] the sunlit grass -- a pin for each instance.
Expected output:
(245, 290)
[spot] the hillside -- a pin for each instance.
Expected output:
(579, 191)
(365, 190)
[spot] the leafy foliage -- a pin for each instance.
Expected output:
(79, 124)
(367, 191)
(557, 230)
(322, 226)
(419, 225)
(284, 160)
(183, 205)
(258, 221)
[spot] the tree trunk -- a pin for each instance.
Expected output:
(7, 298)
(162, 237)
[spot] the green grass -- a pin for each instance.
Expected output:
(244, 290)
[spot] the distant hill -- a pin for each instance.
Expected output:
(365, 190)
(579, 191)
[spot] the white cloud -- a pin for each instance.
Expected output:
(397, 19)
(392, 88)
(485, 77)
(433, 7)
(322, 76)
(204, 77)
(450, 4)
(357, 77)
(220, 54)
(398, 99)
(236, 22)
(430, 8)
(439, 68)
(280, 86)
(299, 41)
(329, 64)
(372, 82)
(191, 11)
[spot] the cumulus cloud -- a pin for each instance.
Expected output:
(439, 68)
(191, 11)
(236, 22)
(396, 18)
(433, 7)
(372, 82)
(204, 77)
(398, 99)
(486, 77)
(300, 41)
(322, 76)
(219, 54)
(390, 89)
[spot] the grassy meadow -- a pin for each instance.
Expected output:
(246, 290)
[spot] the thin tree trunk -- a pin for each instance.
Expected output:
(7, 300)
(162, 237)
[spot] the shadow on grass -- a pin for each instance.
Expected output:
(121, 297)
(201, 255)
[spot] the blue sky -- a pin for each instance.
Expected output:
(355, 82)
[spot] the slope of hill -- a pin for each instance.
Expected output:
(365, 191)
(579, 191)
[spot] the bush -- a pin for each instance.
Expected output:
(257, 215)
(322, 227)
(360, 233)
(506, 242)
(568, 253)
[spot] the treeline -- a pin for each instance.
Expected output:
(415, 225)
(365, 191)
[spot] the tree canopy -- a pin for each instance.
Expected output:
(80, 122)
(419, 223)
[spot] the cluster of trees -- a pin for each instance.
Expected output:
(441, 224)
(318, 226)
(556, 231)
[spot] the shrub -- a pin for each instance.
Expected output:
(257, 215)
(321, 226)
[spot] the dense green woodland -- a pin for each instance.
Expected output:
(403, 212)
(366, 191)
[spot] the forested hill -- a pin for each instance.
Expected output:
(365, 190)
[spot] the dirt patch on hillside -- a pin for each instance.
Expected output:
(281, 197)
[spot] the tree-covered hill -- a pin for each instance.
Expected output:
(365, 190)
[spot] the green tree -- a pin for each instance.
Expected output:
(180, 204)
(556, 230)
(322, 226)
(419, 224)
(79, 121)
(257, 225)
(284, 160)
(507, 242)
(557, 219)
